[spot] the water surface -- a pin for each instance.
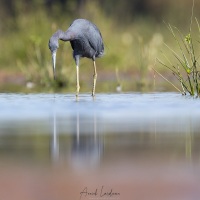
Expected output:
(139, 146)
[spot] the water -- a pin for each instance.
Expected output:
(116, 146)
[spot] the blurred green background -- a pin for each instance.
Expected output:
(133, 30)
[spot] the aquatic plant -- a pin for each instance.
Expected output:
(185, 66)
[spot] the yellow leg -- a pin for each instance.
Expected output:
(95, 79)
(77, 81)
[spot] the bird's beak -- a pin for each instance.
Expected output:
(54, 64)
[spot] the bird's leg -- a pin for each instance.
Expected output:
(94, 79)
(76, 58)
(77, 81)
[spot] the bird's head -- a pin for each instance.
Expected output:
(53, 46)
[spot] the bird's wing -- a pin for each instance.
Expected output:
(95, 41)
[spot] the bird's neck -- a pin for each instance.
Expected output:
(61, 35)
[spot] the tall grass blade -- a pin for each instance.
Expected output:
(167, 80)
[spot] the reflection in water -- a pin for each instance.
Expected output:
(144, 146)
(86, 144)
(55, 138)
(80, 131)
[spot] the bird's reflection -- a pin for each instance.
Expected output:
(55, 138)
(86, 144)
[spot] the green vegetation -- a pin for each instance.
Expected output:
(133, 39)
(186, 65)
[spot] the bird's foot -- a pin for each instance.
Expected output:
(77, 97)
(93, 94)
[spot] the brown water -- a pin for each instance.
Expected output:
(118, 146)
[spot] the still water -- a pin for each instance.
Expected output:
(116, 146)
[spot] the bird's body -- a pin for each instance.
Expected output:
(86, 41)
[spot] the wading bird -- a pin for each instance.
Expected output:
(86, 41)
